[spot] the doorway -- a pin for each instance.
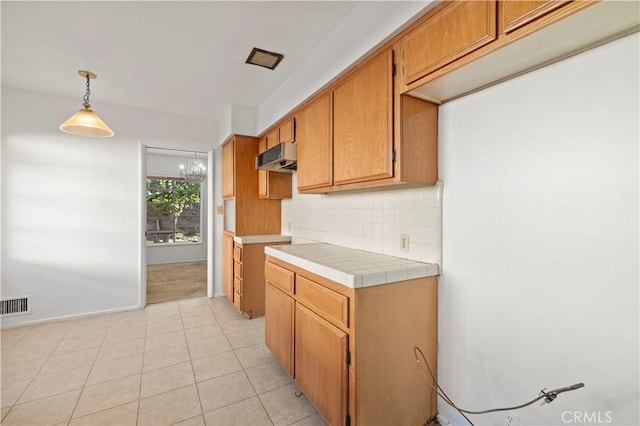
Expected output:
(176, 225)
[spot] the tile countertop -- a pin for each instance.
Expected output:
(350, 267)
(261, 239)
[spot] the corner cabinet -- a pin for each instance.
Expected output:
(363, 133)
(351, 350)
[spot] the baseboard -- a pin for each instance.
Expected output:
(68, 317)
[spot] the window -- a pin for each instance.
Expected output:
(173, 211)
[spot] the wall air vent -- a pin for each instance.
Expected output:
(15, 306)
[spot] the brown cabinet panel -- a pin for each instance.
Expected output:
(228, 169)
(315, 146)
(273, 185)
(279, 277)
(237, 253)
(237, 301)
(278, 327)
(458, 28)
(331, 305)
(273, 138)
(287, 131)
(514, 14)
(321, 364)
(227, 265)
(363, 123)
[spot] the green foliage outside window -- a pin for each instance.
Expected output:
(173, 210)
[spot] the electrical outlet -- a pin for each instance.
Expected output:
(510, 419)
(404, 242)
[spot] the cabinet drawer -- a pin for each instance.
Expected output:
(237, 270)
(237, 254)
(237, 301)
(237, 285)
(333, 306)
(278, 276)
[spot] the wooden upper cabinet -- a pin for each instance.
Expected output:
(228, 169)
(273, 138)
(263, 184)
(514, 14)
(363, 123)
(272, 185)
(457, 28)
(315, 148)
(288, 130)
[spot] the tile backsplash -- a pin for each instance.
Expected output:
(370, 219)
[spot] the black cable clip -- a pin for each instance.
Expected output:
(548, 397)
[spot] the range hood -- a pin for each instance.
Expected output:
(279, 158)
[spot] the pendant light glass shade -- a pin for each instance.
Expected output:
(86, 122)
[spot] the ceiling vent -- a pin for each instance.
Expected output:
(264, 58)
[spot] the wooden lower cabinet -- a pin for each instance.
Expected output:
(279, 308)
(321, 364)
(227, 265)
(351, 350)
(248, 277)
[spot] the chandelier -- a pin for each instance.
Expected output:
(195, 169)
(86, 122)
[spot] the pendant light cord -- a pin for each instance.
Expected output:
(86, 103)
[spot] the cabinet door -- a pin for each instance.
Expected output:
(320, 364)
(227, 265)
(456, 29)
(273, 138)
(278, 327)
(363, 123)
(514, 14)
(288, 131)
(228, 161)
(263, 182)
(315, 148)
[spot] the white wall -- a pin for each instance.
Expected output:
(541, 261)
(72, 229)
(369, 219)
(168, 165)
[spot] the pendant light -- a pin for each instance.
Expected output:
(86, 122)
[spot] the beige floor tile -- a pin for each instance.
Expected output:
(170, 407)
(115, 369)
(69, 360)
(210, 346)
(243, 413)
(75, 344)
(219, 304)
(9, 337)
(11, 391)
(229, 315)
(18, 371)
(284, 407)
(315, 420)
(215, 365)
(21, 354)
(201, 333)
(163, 307)
(110, 351)
(193, 421)
(199, 321)
(47, 411)
(253, 355)
(222, 391)
(129, 317)
(108, 395)
(235, 326)
(166, 379)
(195, 311)
(165, 340)
(87, 330)
(245, 338)
(4, 412)
(258, 323)
(122, 415)
(162, 327)
(125, 332)
(45, 385)
(267, 377)
(165, 357)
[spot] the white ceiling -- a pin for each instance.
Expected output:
(180, 57)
